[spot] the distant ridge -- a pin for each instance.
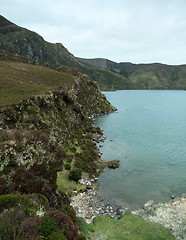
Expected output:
(144, 76)
(108, 74)
(20, 41)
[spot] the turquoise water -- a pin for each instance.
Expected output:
(148, 136)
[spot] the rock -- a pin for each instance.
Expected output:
(171, 215)
(88, 215)
(88, 186)
(148, 204)
(101, 212)
(113, 164)
(120, 211)
(113, 215)
(117, 217)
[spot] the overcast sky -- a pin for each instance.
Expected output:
(137, 31)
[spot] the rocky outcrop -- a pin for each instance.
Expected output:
(113, 164)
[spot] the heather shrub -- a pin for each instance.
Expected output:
(57, 235)
(16, 200)
(9, 224)
(67, 166)
(28, 228)
(3, 185)
(47, 227)
(75, 174)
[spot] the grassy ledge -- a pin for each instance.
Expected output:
(129, 227)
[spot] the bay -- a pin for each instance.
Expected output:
(148, 136)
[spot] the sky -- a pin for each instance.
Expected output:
(137, 31)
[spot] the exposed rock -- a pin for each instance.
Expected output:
(90, 204)
(148, 204)
(171, 215)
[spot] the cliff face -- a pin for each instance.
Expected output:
(39, 131)
(40, 135)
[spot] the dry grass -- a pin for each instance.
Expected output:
(20, 81)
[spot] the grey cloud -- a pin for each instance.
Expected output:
(121, 30)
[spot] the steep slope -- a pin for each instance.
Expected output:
(145, 76)
(45, 117)
(20, 41)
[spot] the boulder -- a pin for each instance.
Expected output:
(113, 164)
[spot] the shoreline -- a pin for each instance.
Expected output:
(90, 204)
(171, 215)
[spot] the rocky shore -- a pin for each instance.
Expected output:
(171, 215)
(90, 203)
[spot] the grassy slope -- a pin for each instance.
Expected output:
(129, 227)
(19, 80)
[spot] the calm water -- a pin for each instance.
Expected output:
(149, 139)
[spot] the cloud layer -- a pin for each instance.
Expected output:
(122, 30)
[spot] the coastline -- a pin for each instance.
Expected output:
(90, 204)
(171, 215)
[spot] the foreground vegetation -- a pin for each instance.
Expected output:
(45, 117)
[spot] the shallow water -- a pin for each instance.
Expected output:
(148, 136)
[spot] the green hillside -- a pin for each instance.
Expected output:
(20, 41)
(145, 76)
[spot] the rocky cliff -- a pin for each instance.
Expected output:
(42, 134)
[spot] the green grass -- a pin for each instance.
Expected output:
(20, 81)
(129, 227)
(66, 185)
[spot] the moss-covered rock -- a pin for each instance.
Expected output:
(113, 164)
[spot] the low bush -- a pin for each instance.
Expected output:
(57, 235)
(67, 166)
(16, 200)
(75, 174)
(47, 227)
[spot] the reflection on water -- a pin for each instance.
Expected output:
(149, 139)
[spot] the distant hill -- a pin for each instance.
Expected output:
(20, 41)
(144, 76)
(108, 74)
